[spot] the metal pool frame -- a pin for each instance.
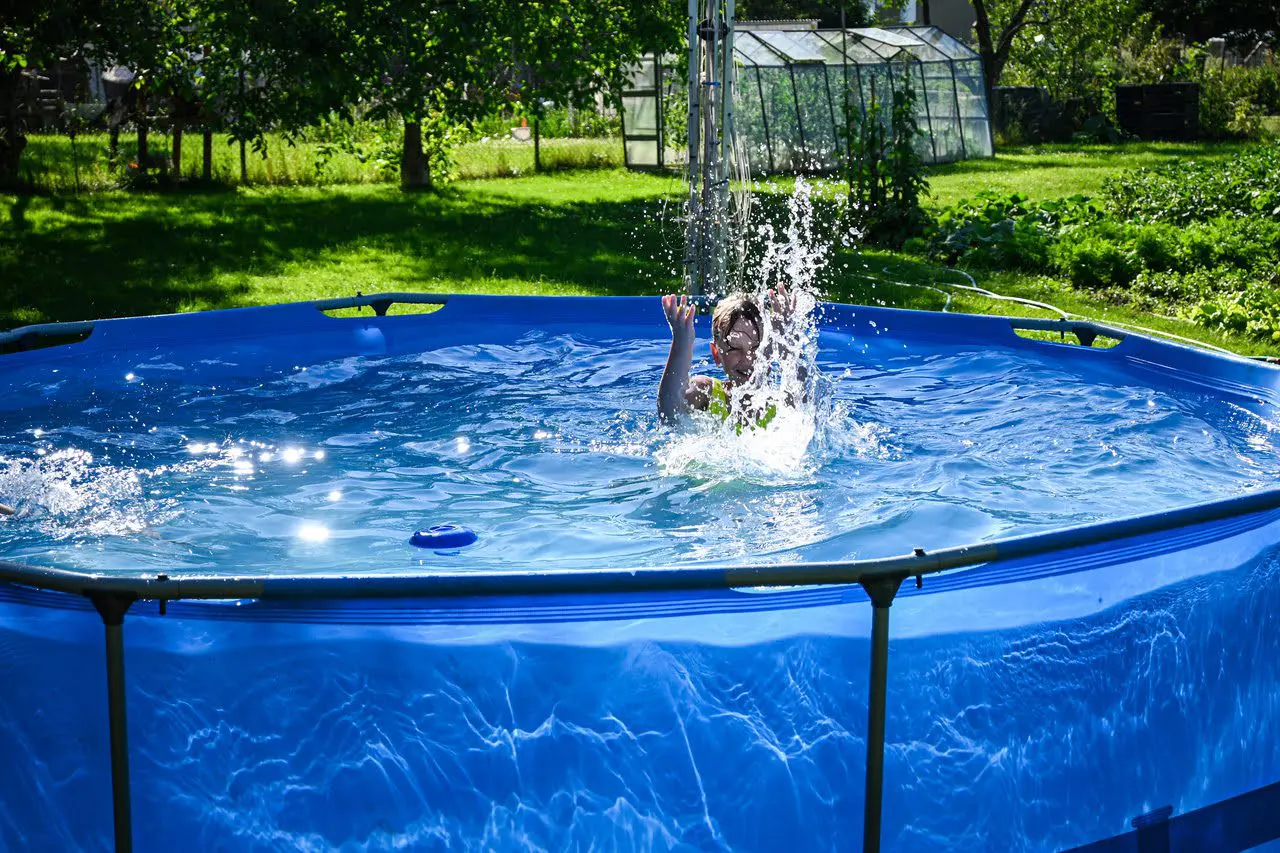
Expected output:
(1258, 812)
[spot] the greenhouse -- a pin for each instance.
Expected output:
(797, 84)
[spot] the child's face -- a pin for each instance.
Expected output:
(736, 351)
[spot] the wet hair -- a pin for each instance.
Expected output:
(731, 309)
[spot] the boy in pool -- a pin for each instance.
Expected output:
(737, 327)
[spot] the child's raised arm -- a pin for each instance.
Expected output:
(672, 401)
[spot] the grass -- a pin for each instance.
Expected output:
(1043, 172)
(55, 163)
(83, 256)
(67, 257)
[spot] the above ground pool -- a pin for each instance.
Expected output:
(444, 580)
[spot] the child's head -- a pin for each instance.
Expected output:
(736, 329)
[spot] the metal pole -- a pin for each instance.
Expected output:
(795, 97)
(707, 242)
(693, 223)
(928, 116)
(659, 111)
(882, 592)
(764, 118)
(848, 118)
(112, 607)
(955, 92)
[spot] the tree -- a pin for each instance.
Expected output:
(159, 41)
(997, 24)
(433, 64)
(277, 65)
(32, 36)
(1200, 20)
(1072, 48)
(827, 14)
(566, 52)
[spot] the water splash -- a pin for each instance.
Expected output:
(808, 425)
(70, 494)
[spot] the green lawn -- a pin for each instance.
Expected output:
(82, 256)
(1043, 172)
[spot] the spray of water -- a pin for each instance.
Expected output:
(806, 424)
(69, 494)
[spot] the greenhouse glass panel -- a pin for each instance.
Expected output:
(753, 51)
(791, 48)
(795, 83)
(947, 45)
(644, 74)
(642, 114)
(849, 46)
(642, 153)
(785, 123)
(753, 122)
(972, 97)
(817, 116)
(816, 44)
(886, 43)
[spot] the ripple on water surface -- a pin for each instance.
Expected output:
(550, 448)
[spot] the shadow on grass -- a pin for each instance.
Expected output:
(117, 254)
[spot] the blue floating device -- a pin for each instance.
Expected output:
(444, 536)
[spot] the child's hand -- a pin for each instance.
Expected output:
(782, 306)
(680, 312)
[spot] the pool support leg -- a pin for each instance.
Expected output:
(882, 592)
(112, 608)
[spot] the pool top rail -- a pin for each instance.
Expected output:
(691, 578)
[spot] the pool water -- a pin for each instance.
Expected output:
(1042, 704)
(548, 446)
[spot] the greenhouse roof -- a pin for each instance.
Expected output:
(863, 45)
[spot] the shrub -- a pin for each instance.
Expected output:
(1098, 256)
(1233, 100)
(1156, 247)
(882, 164)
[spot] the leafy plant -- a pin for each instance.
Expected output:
(1190, 191)
(1097, 256)
(1006, 232)
(882, 164)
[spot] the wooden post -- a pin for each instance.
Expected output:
(244, 167)
(206, 170)
(177, 147)
(142, 131)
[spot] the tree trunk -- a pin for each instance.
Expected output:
(994, 47)
(986, 50)
(12, 138)
(537, 148)
(414, 171)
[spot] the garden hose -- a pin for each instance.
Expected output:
(1066, 315)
